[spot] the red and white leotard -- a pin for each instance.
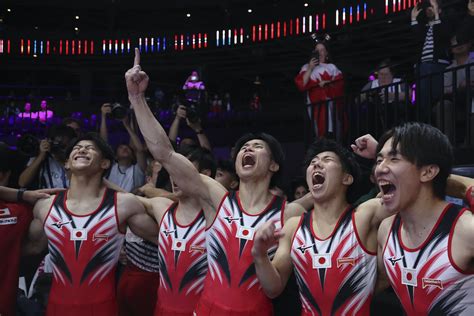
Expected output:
(336, 275)
(425, 279)
(84, 251)
(231, 285)
(183, 263)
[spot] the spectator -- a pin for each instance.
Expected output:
(11, 109)
(216, 104)
(434, 32)
(182, 112)
(388, 92)
(44, 114)
(322, 81)
(27, 114)
(75, 124)
(299, 188)
(457, 95)
(128, 171)
(48, 166)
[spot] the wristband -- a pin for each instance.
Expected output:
(469, 198)
(19, 195)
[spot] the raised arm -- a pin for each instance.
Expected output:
(31, 171)
(105, 109)
(182, 171)
(136, 144)
(273, 275)
(202, 137)
(174, 128)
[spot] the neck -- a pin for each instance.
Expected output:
(461, 59)
(254, 194)
(330, 210)
(423, 212)
(124, 163)
(85, 186)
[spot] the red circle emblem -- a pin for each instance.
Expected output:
(245, 232)
(78, 234)
(409, 276)
(178, 244)
(322, 260)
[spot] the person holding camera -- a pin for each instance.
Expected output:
(48, 166)
(435, 34)
(193, 87)
(193, 121)
(322, 81)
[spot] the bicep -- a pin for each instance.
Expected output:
(144, 226)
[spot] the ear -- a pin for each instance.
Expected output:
(428, 173)
(274, 167)
(67, 164)
(105, 164)
(348, 179)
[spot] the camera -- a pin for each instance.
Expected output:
(191, 110)
(315, 54)
(119, 112)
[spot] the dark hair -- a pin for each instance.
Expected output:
(61, 130)
(422, 145)
(226, 165)
(386, 63)
(326, 46)
(276, 151)
(69, 120)
(347, 158)
(104, 148)
(203, 157)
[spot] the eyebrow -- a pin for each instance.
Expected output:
(392, 152)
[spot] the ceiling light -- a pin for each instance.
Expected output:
(249, 10)
(77, 17)
(36, 27)
(306, 4)
(188, 15)
(76, 29)
(9, 10)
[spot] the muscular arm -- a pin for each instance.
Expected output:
(136, 145)
(182, 171)
(132, 212)
(31, 171)
(156, 207)
(298, 207)
(457, 186)
(382, 279)
(174, 129)
(273, 275)
(36, 240)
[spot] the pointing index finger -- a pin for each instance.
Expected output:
(136, 61)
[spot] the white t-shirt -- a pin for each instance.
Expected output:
(127, 178)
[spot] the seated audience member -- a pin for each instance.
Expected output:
(47, 168)
(128, 171)
(454, 101)
(44, 114)
(27, 114)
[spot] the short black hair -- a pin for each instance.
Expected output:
(61, 130)
(203, 157)
(104, 148)
(347, 158)
(422, 145)
(276, 151)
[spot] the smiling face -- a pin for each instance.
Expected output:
(397, 178)
(323, 53)
(326, 177)
(85, 156)
(254, 160)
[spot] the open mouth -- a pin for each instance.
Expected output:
(388, 189)
(318, 180)
(248, 161)
(82, 158)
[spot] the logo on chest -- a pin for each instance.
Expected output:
(168, 232)
(60, 224)
(409, 277)
(231, 219)
(303, 248)
(5, 211)
(322, 261)
(245, 232)
(79, 234)
(394, 260)
(178, 245)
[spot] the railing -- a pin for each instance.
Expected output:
(376, 110)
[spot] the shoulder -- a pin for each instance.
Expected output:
(42, 206)
(384, 229)
(464, 227)
(127, 200)
(304, 67)
(291, 226)
(161, 203)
